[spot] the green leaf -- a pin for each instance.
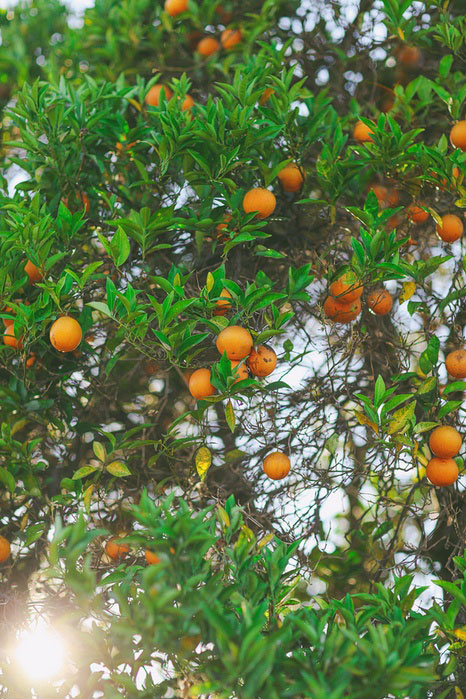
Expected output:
(7, 479)
(120, 247)
(99, 451)
(118, 469)
(84, 471)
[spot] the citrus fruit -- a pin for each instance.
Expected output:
(222, 306)
(346, 288)
(10, 339)
(30, 361)
(116, 551)
(4, 549)
(341, 312)
(416, 214)
(187, 103)
(451, 228)
(410, 56)
(262, 361)
(8, 321)
(442, 471)
(152, 558)
(276, 465)
(153, 96)
(381, 193)
(33, 272)
(235, 341)
(259, 200)
(65, 334)
(456, 363)
(458, 135)
(445, 441)
(239, 370)
(230, 37)
(207, 46)
(266, 95)
(175, 7)
(362, 132)
(291, 178)
(199, 384)
(380, 301)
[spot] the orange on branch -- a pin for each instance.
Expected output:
(199, 384)
(291, 177)
(239, 370)
(235, 341)
(30, 361)
(230, 37)
(175, 7)
(115, 550)
(277, 465)
(451, 228)
(5, 549)
(33, 272)
(66, 334)
(151, 558)
(341, 312)
(442, 472)
(153, 96)
(445, 441)
(261, 201)
(262, 361)
(208, 46)
(458, 135)
(222, 306)
(380, 301)
(10, 339)
(346, 288)
(456, 363)
(188, 103)
(416, 214)
(362, 132)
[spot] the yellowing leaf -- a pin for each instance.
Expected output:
(18, 426)
(230, 416)
(460, 633)
(408, 290)
(458, 693)
(203, 461)
(401, 34)
(24, 521)
(118, 469)
(83, 472)
(209, 281)
(401, 417)
(177, 280)
(87, 497)
(266, 540)
(223, 516)
(364, 420)
(135, 104)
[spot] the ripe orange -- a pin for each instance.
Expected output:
(235, 341)
(208, 46)
(175, 7)
(456, 363)
(341, 312)
(223, 305)
(346, 288)
(276, 465)
(442, 471)
(268, 92)
(362, 132)
(4, 549)
(33, 272)
(221, 226)
(30, 361)
(10, 339)
(230, 37)
(416, 214)
(8, 321)
(188, 103)
(152, 558)
(199, 384)
(410, 56)
(239, 370)
(153, 96)
(451, 228)
(114, 550)
(458, 135)
(262, 361)
(381, 193)
(445, 441)
(259, 200)
(380, 301)
(66, 334)
(291, 177)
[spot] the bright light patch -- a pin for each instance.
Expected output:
(40, 653)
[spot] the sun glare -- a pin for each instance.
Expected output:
(40, 653)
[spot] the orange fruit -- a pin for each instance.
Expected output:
(442, 471)
(456, 363)
(262, 361)
(276, 465)
(65, 334)
(10, 339)
(223, 305)
(410, 56)
(346, 288)
(188, 103)
(416, 214)
(341, 312)
(235, 341)
(30, 361)
(122, 147)
(264, 98)
(445, 441)
(362, 132)
(380, 301)
(230, 37)
(451, 228)
(458, 135)
(259, 200)
(381, 193)
(291, 178)
(33, 272)
(175, 7)
(153, 96)
(221, 226)
(208, 46)
(116, 551)
(240, 370)
(8, 321)
(199, 384)
(152, 558)
(4, 549)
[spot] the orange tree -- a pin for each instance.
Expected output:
(233, 290)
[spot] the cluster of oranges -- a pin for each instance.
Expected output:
(445, 443)
(343, 305)
(65, 333)
(117, 551)
(209, 45)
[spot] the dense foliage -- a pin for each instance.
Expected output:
(123, 214)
